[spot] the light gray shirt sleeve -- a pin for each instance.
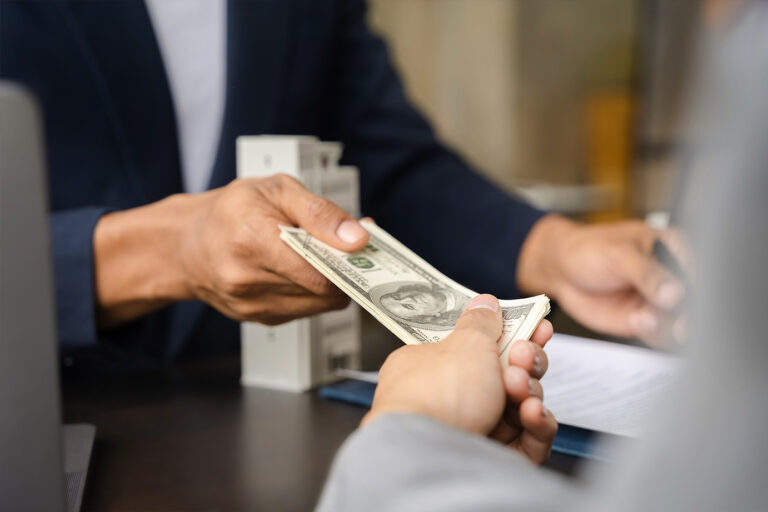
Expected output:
(404, 462)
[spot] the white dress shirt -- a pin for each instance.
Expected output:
(192, 39)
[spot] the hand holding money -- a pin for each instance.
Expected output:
(459, 382)
(220, 247)
(604, 275)
(406, 294)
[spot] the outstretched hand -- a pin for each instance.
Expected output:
(605, 275)
(222, 247)
(234, 258)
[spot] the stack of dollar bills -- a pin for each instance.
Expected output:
(406, 294)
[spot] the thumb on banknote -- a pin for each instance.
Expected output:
(480, 323)
(320, 217)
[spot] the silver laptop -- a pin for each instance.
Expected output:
(44, 464)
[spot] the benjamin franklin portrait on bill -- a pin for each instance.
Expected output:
(419, 304)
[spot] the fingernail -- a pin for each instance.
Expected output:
(537, 363)
(669, 294)
(544, 412)
(644, 322)
(484, 302)
(350, 231)
(531, 386)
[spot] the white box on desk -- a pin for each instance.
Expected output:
(259, 156)
(301, 354)
(342, 186)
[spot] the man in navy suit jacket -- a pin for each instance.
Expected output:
(144, 268)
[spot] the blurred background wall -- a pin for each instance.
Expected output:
(573, 104)
(570, 103)
(459, 60)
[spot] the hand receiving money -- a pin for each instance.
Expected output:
(405, 293)
(460, 383)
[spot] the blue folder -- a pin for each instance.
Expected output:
(570, 440)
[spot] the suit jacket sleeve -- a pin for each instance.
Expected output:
(72, 238)
(403, 462)
(414, 187)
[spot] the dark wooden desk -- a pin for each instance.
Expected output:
(191, 438)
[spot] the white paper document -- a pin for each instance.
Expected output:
(345, 373)
(604, 386)
(597, 385)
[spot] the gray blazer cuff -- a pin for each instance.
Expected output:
(404, 462)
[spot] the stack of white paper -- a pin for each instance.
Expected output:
(597, 385)
(604, 386)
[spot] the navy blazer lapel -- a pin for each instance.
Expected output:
(259, 47)
(118, 38)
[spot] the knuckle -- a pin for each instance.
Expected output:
(239, 183)
(243, 186)
(616, 254)
(277, 184)
(271, 188)
(542, 457)
(549, 432)
(485, 317)
(261, 312)
(524, 349)
(481, 314)
(320, 208)
(555, 423)
(338, 302)
(286, 180)
(480, 319)
(242, 241)
(523, 355)
(483, 335)
(469, 335)
(539, 390)
(653, 275)
(518, 375)
(233, 282)
(320, 285)
(464, 330)
(238, 191)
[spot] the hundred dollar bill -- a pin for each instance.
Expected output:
(405, 293)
